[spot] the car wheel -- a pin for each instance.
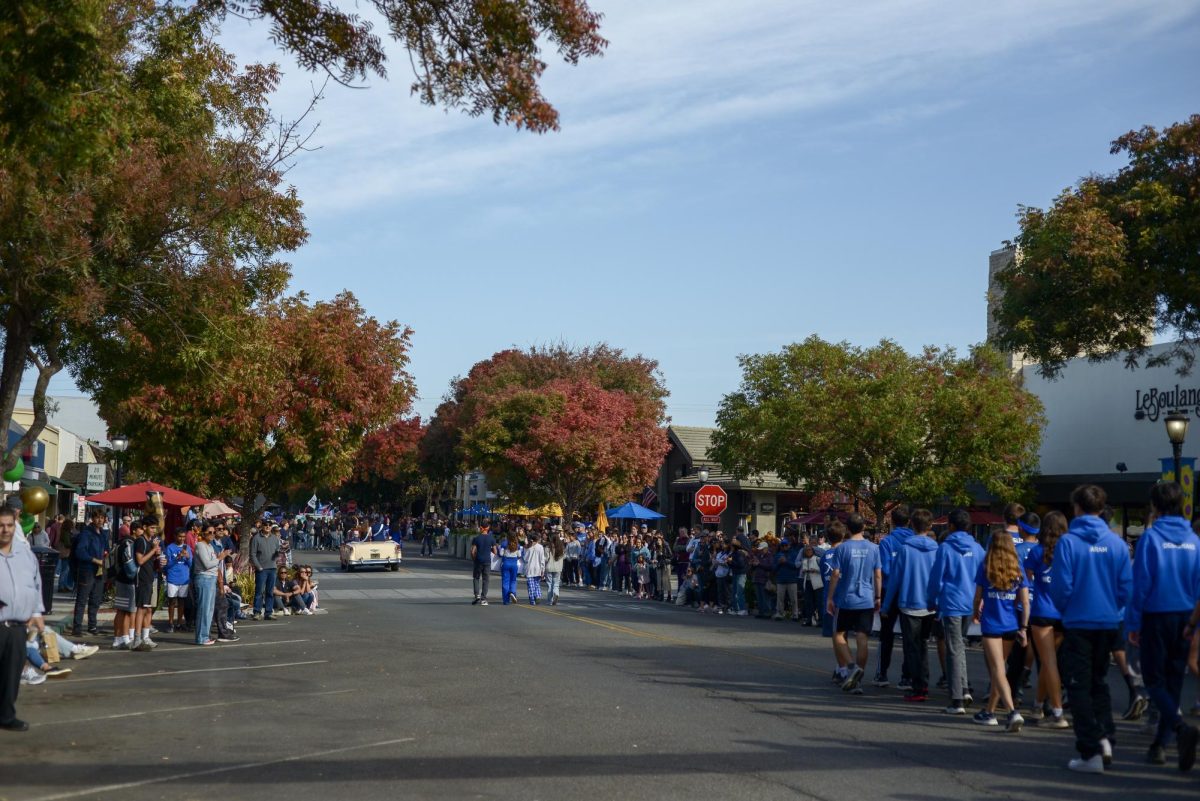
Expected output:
(349, 568)
(395, 567)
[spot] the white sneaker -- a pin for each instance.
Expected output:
(150, 642)
(308, 611)
(1105, 752)
(31, 675)
(84, 651)
(1081, 765)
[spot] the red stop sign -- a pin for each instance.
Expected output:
(711, 500)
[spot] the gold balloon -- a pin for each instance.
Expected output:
(35, 499)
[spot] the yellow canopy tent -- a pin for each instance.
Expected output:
(549, 510)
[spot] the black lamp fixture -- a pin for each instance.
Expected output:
(1177, 427)
(119, 443)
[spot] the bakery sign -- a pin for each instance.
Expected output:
(1151, 404)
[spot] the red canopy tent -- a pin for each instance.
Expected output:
(134, 495)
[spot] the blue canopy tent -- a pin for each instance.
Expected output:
(476, 509)
(632, 511)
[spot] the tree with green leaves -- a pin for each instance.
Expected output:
(880, 425)
(1115, 258)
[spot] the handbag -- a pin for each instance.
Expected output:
(497, 562)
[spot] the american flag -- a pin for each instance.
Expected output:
(649, 497)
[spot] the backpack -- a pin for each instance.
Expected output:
(126, 565)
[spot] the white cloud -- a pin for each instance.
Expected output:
(675, 68)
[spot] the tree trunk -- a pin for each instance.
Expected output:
(18, 337)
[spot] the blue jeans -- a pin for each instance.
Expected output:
(765, 600)
(1164, 665)
(264, 585)
(605, 581)
(62, 575)
(739, 592)
(552, 584)
(508, 579)
(302, 601)
(206, 595)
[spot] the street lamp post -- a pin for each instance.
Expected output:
(1177, 426)
(119, 443)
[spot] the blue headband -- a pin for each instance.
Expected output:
(1027, 529)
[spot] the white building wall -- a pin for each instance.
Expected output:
(1092, 415)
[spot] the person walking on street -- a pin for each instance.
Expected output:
(1002, 611)
(20, 608)
(91, 548)
(1091, 582)
(1166, 583)
(482, 547)
(889, 546)
(264, 550)
(908, 591)
(855, 592)
(951, 594)
(1045, 622)
(510, 554)
(554, 568)
(535, 566)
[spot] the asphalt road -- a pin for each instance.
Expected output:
(405, 690)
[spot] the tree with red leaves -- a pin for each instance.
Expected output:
(577, 427)
(387, 467)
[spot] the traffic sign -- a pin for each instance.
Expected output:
(711, 500)
(710, 518)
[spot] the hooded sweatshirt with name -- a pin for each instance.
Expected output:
(908, 585)
(1092, 580)
(1040, 603)
(890, 546)
(1166, 570)
(952, 579)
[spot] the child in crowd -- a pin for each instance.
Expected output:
(643, 577)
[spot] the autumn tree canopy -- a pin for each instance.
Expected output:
(481, 57)
(138, 165)
(1115, 258)
(576, 427)
(879, 424)
(284, 397)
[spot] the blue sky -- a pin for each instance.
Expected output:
(730, 177)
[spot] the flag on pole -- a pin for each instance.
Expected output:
(649, 497)
(312, 502)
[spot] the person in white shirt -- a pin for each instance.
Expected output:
(535, 567)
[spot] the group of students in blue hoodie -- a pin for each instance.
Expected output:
(1064, 593)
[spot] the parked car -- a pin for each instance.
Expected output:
(366, 553)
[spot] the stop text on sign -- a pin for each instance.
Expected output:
(711, 500)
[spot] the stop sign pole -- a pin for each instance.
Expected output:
(711, 501)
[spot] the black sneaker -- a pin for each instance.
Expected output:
(904, 684)
(1137, 707)
(943, 683)
(1186, 737)
(475, 602)
(95, 632)
(77, 632)
(1157, 755)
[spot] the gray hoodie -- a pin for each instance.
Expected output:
(264, 548)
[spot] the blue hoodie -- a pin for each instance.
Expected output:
(1166, 571)
(1041, 604)
(890, 546)
(1091, 581)
(908, 587)
(952, 579)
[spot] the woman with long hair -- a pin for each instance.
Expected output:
(510, 555)
(1045, 622)
(1002, 611)
(554, 567)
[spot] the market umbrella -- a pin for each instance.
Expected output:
(134, 495)
(219, 509)
(633, 511)
(601, 519)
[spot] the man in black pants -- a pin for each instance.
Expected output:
(20, 607)
(1090, 585)
(90, 550)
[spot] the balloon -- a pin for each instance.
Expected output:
(27, 521)
(17, 471)
(35, 499)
